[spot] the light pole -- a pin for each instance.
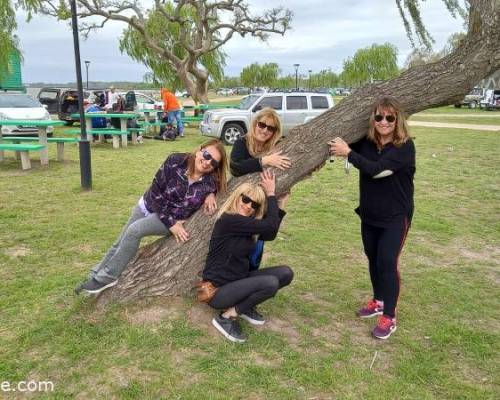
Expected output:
(296, 76)
(87, 63)
(84, 145)
(310, 86)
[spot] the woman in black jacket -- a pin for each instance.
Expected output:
(240, 223)
(386, 163)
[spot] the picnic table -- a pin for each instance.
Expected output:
(41, 125)
(123, 123)
(147, 112)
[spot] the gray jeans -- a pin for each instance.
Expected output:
(126, 246)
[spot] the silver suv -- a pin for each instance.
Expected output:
(294, 108)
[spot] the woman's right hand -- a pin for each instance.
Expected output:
(268, 182)
(276, 160)
(180, 234)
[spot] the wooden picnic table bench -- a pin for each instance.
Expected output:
(23, 150)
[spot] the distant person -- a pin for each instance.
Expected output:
(386, 163)
(112, 98)
(250, 211)
(172, 110)
(97, 122)
(184, 183)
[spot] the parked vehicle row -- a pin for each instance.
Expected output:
(293, 108)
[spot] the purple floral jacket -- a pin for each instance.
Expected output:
(171, 196)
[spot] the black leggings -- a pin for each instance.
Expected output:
(383, 247)
(246, 293)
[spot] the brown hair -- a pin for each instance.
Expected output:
(252, 190)
(401, 131)
(220, 173)
(271, 143)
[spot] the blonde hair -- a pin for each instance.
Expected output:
(272, 141)
(401, 131)
(221, 172)
(252, 190)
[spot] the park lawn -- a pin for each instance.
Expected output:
(312, 347)
(475, 119)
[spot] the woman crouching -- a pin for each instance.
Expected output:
(240, 223)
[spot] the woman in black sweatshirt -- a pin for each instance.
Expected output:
(240, 223)
(386, 163)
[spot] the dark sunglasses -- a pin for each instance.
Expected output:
(207, 156)
(388, 118)
(270, 128)
(247, 200)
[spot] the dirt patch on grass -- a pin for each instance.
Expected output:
(200, 315)
(155, 314)
(18, 251)
(284, 328)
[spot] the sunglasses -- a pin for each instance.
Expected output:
(207, 156)
(388, 118)
(270, 128)
(247, 200)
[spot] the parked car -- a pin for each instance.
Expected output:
(181, 93)
(64, 101)
(241, 90)
(293, 108)
(145, 102)
(473, 99)
(225, 92)
(22, 106)
(491, 100)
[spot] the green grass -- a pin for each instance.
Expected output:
(446, 346)
(473, 118)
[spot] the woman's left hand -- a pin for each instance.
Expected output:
(338, 147)
(268, 182)
(210, 204)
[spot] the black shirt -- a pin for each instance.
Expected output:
(385, 200)
(242, 162)
(232, 241)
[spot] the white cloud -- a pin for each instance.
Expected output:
(324, 33)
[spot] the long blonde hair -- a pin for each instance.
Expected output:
(252, 190)
(401, 132)
(272, 141)
(221, 172)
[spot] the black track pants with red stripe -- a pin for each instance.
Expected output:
(383, 247)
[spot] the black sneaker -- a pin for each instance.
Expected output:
(230, 328)
(94, 287)
(253, 317)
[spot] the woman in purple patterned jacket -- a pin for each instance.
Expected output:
(184, 183)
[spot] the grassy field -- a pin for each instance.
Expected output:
(312, 347)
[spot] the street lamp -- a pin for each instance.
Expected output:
(310, 86)
(296, 76)
(87, 63)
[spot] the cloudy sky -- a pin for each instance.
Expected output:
(324, 33)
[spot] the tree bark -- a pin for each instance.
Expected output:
(165, 268)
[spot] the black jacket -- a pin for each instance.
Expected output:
(232, 241)
(242, 162)
(383, 201)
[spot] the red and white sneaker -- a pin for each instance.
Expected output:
(372, 309)
(385, 327)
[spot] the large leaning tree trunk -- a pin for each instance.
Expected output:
(165, 268)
